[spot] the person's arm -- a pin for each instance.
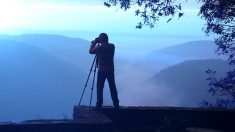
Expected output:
(94, 48)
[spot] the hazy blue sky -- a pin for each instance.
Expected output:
(91, 16)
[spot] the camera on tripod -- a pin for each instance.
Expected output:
(97, 40)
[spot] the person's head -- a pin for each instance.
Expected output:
(103, 38)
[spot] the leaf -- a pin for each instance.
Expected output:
(168, 1)
(168, 20)
(180, 6)
(137, 12)
(139, 2)
(146, 6)
(155, 1)
(139, 26)
(151, 25)
(160, 14)
(107, 4)
(181, 14)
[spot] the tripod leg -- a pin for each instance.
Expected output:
(87, 81)
(92, 88)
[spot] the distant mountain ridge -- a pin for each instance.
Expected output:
(72, 50)
(187, 81)
(36, 82)
(194, 50)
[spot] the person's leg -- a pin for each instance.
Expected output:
(100, 86)
(113, 90)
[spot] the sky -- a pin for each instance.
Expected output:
(91, 17)
(83, 15)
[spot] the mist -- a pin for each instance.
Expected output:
(43, 75)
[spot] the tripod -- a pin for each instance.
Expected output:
(92, 87)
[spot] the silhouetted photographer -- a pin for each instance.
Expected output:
(105, 55)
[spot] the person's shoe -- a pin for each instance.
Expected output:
(98, 107)
(116, 107)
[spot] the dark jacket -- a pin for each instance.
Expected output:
(105, 54)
